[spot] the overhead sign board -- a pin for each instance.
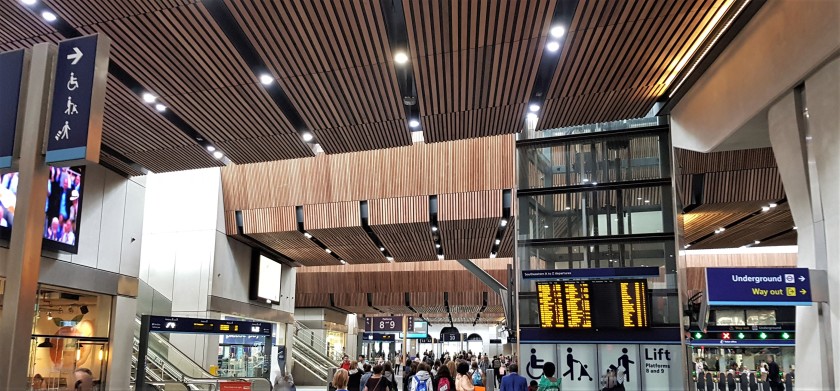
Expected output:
(384, 323)
(595, 273)
(758, 286)
(12, 74)
(164, 324)
(81, 73)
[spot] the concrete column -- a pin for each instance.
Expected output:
(24, 259)
(123, 312)
(805, 146)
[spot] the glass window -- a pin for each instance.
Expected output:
(761, 317)
(730, 318)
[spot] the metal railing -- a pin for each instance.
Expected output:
(309, 337)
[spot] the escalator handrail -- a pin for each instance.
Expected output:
(314, 356)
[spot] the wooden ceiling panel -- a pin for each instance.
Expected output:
(618, 56)
(341, 81)
(469, 74)
(188, 157)
(108, 160)
(764, 225)
(351, 244)
(21, 27)
(468, 238)
(267, 220)
(86, 12)
(294, 245)
(402, 225)
(705, 219)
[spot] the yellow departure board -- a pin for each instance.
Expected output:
(634, 303)
(593, 304)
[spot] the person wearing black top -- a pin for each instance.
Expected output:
(773, 376)
(355, 378)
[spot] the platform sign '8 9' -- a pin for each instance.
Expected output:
(387, 323)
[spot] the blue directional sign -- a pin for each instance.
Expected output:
(592, 273)
(11, 79)
(77, 102)
(758, 286)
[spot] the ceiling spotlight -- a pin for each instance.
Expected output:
(328, 251)
(553, 46)
(160, 107)
(568, 208)
(534, 107)
(342, 262)
(545, 226)
(434, 228)
(757, 242)
(307, 235)
(218, 155)
(414, 123)
(382, 249)
(440, 256)
(48, 16)
(437, 245)
(594, 183)
(721, 229)
(585, 180)
(390, 259)
(149, 98)
(400, 58)
(794, 228)
(504, 222)
(29, 2)
(557, 31)
(647, 201)
(687, 246)
(211, 148)
(307, 136)
(772, 205)
(498, 241)
(493, 255)
(531, 117)
(765, 208)
(266, 79)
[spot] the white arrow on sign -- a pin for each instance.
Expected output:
(801, 278)
(75, 56)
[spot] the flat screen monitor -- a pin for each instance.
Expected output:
(63, 209)
(265, 279)
(593, 304)
(421, 327)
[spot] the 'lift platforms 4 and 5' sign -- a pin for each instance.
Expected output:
(758, 286)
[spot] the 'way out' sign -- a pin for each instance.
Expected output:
(758, 286)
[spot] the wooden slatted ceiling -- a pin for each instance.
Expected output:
(468, 223)
(21, 28)
(339, 226)
(421, 169)
(341, 79)
(164, 46)
(705, 219)
(297, 247)
(691, 162)
(759, 227)
(403, 223)
(617, 56)
(475, 63)
(107, 159)
(497, 265)
(394, 282)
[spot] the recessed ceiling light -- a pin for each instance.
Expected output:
(414, 123)
(390, 259)
(545, 226)
(149, 98)
(504, 222)
(342, 262)
(29, 2)
(307, 136)
(307, 235)
(218, 155)
(568, 208)
(638, 198)
(48, 16)
(211, 148)
(594, 183)
(795, 228)
(434, 228)
(772, 205)
(531, 117)
(400, 58)
(757, 242)
(553, 46)
(437, 245)
(765, 208)
(266, 79)
(328, 251)
(492, 255)
(160, 107)
(687, 246)
(534, 107)
(557, 31)
(647, 201)
(584, 180)
(382, 249)
(498, 241)
(440, 256)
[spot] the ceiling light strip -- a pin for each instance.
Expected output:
(224, 18)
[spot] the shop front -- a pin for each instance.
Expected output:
(243, 355)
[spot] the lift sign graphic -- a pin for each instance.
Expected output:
(758, 286)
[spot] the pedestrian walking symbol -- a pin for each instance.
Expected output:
(64, 133)
(571, 362)
(71, 107)
(625, 361)
(73, 83)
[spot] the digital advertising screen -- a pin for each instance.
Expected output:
(593, 304)
(265, 279)
(63, 207)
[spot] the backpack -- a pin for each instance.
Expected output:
(443, 384)
(476, 378)
(421, 384)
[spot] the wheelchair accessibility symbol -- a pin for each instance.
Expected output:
(533, 365)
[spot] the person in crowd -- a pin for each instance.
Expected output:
(452, 365)
(477, 375)
(355, 377)
(409, 374)
(38, 382)
(366, 375)
(547, 381)
(443, 380)
(773, 376)
(361, 362)
(502, 372)
(513, 381)
(608, 381)
(462, 380)
(341, 379)
(533, 385)
(422, 380)
(484, 364)
(345, 363)
(388, 374)
(377, 382)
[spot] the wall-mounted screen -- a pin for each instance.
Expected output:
(265, 279)
(421, 327)
(63, 207)
(593, 304)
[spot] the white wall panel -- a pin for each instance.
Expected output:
(132, 238)
(111, 228)
(91, 221)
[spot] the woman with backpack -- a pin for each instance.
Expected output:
(422, 380)
(477, 377)
(443, 380)
(548, 382)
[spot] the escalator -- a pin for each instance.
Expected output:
(312, 365)
(168, 369)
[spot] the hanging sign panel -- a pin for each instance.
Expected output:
(758, 286)
(12, 66)
(81, 73)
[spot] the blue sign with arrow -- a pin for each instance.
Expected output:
(758, 286)
(11, 80)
